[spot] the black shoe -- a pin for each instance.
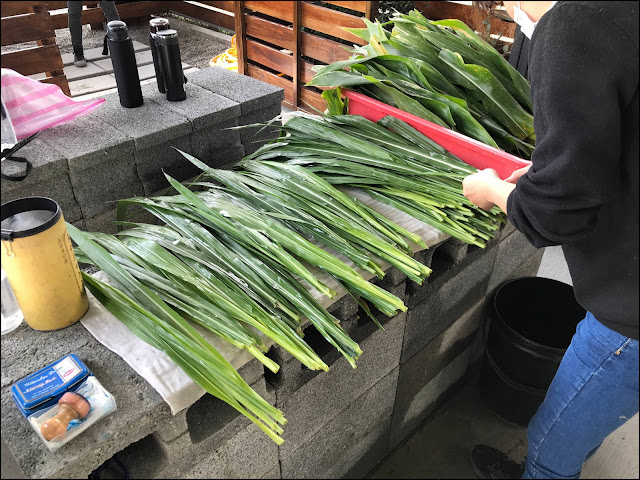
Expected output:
(491, 463)
(78, 57)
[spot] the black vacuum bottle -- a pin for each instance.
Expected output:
(170, 62)
(123, 60)
(155, 25)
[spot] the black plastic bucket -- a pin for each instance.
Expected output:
(529, 325)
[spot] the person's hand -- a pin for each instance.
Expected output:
(477, 187)
(515, 176)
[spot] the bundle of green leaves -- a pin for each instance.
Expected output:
(443, 72)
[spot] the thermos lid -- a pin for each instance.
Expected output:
(158, 23)
(166, 37)
(28, 216)
(117, 30)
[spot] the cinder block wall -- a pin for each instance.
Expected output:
(343, 422)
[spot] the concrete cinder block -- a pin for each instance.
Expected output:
(425, 256)
(450, 252)
(345, 308)
(9, 466)
(202, 107)
(101, 163)
(314, 404)
(140, 411)
(250, 93)
(453, 293)
(49, 178)
(273, 473)
(250, 454)
(87, 143)
(173, 427)
(152, 163)
(292, 374)
(245, 453)
(221, 134)
(326, 449)
(26, 350)
(80, 225)
(252, 371)
(103, 222)
(408, 415)
(255, 137)
(477, 350)
(145, 458)
(369, 451)
(426, 364)
(147, 125)
(513, 251)
(217, 146)
(506, 229)
(98, 189)
(213, 421)
(392, 277)
(440, 258)
(140, 215)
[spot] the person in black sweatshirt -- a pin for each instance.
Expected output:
(581, 192)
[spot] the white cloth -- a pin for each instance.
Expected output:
(173, 385)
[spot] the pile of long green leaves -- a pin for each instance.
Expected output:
(443, 72)
(233, 258)
(390, 161)
(234, 253)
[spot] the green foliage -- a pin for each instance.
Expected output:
(443, 72)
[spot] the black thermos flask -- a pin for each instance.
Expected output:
(171, 64)
(156, 24)
(123, 59)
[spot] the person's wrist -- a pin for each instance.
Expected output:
(492, 189)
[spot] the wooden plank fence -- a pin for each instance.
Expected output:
(280, 42)
(27, 22)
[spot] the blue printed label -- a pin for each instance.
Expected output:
(49, 380)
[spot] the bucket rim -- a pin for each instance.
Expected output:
(17, 205)
(527, 341)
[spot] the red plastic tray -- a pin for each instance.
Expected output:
(469, 150)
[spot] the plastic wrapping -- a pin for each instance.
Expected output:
(102, 404)
(8, 134)
(32, 106)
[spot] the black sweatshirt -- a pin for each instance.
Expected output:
(582, 189)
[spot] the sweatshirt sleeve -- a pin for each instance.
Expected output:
(575, 66)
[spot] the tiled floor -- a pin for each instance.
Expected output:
(440, 448)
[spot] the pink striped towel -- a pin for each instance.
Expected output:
(33, 106)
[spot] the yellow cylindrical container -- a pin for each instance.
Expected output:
(42, 269)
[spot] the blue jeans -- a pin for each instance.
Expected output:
(593, 393)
